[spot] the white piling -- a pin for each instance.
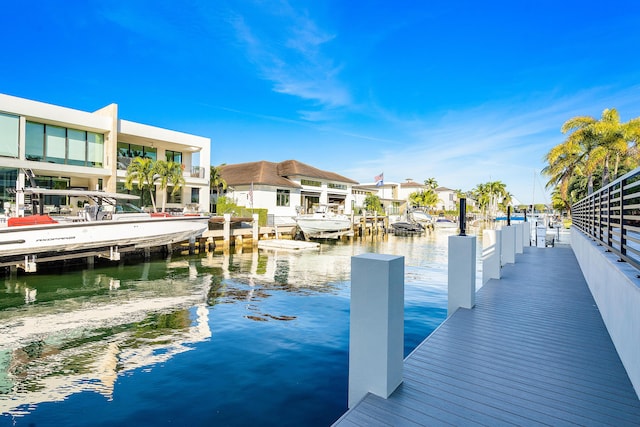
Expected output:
(462, 273)
(519, 238)
(376, 342)
(491, 254)
(508, 245)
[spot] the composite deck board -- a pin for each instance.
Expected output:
(534, 351)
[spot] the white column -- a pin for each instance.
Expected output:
(376, 342)
(462, 273)
(519, 240)
(491, 254)
(526, 234)
(508, 245)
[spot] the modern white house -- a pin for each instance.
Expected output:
(447, 199)
(68, 148)
(286, 187)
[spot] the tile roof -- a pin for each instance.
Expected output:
(275, 174)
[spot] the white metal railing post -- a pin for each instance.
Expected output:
(462, 273)
(491, 242)
(376, 341)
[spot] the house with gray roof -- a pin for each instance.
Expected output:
(285, 187)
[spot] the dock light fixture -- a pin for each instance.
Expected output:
(463, 216)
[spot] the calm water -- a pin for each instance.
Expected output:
(251, 338)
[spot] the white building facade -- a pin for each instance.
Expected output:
(67, 148)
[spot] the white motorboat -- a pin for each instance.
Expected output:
(444, 223)
(323, 223)
(106, 225)
(420, 216)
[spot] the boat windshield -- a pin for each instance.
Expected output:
(128, 208)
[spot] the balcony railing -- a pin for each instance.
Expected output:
(193, 171)
(611, 216)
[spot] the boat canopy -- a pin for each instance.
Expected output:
(79, 193)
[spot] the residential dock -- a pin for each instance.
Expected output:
(533, 351)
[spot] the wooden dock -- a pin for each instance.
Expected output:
(534, 351)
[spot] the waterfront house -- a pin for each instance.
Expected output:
(447, 199)
(68, 148)
(285, 187)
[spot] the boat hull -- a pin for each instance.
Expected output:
(323, 225)
(75, 236)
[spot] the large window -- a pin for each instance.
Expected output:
(174, 156)
(126, 152)
(9, 126)
(282, 197)
(35, 141)
(55, 144)
(8, 179)
(174, 198)
(195, 195)
(337, 186)
(311, 183)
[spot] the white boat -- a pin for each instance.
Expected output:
(444, 223)
(323, 223)
(107, 225)
(420, 216)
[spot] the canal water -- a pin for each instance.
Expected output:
(246, 338)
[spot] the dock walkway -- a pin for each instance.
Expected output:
(534, 351)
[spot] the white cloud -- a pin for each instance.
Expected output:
(292, 57)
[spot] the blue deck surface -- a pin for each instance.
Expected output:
(534, 351)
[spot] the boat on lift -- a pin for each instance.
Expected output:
(109, 225)
(323, 223)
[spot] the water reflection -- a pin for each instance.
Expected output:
(82, 331)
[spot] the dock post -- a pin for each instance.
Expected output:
(526, 234)
(226, 234)
(508, 245)
(376, 342)
(91, 261)
(491, 242)
(519, 238)
(256, 226)
(462, 273)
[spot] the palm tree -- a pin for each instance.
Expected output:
(141, 171)
(431, 183)
(216, 181)
(592, 144)
(168, 173)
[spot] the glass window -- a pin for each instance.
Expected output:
(151, 152)
(173, 198)
(282, 198)
(9, 143)
(77, 140)
(95, 149)
(311, 183)
(34, 141)
(56, 144)
(337, 186)
(174, 156)
(195, 195)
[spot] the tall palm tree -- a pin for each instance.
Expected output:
(141, 173)
(169, 173)
(216, 181)
(431, 183)
(592, 144)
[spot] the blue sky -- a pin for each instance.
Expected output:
(462, 91)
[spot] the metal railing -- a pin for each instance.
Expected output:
(611, 216)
